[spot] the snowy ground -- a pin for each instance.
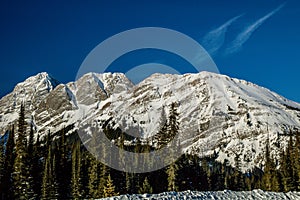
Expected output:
(226, 194)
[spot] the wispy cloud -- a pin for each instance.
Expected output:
(214, 39)
(237, 44)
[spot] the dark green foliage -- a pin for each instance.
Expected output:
(22, 182)
(289, 168)
(8, 165)
(172, 173)
(169, 128)
(76, 172)
(2, 163)
(146, 187)
(270, 177)
(63, 166)
(33, 164)
(59, 167)
(49, 188)
(109, 188)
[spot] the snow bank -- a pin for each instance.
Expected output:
(226, 194)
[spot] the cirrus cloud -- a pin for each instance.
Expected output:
(242, 37)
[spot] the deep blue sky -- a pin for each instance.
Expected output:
(56, 36)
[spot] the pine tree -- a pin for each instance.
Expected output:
(128, 182)
(173, 126)
(172, 173)
(168, 128)
(104, 171)
(46, 177)
(286, 168)
(109, 189)
(238, 178)
(76, 171)
(49, 182)
(270, 176)
(84, 174)
(146, 188)
(297, 159)
(93, 173)
(30, 142)
(22, 187)
(248, 186)
(226, 174)
(275, 181)
(161, 136)
(36, 167)
(294, 149)
(95, 184)
(8, 164)
(31, 165)
(55, 190)
(266, 179)
(206, 174)
(2, 172)
(63, 167)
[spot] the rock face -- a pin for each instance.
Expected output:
(216, 112)
(31, 92)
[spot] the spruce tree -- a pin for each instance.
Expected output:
(63, 167)
(286, 167)
(206, 175)
(8, 164)
(238, 179)
(31, 164)
(168, 128)
(172, 173)
(146, 188)
(173, 125)
(104, 171)
(2, 172)
(84, 174)
(93, 173)
(161, 137)
(109, 189)
(30, 142)
(294, 146)
(268, 169)
(226, 174)
(128, 182)
(297, 159)
(49, 182)
(172, 132)
(36, 167)
(76, 171)
(22, 187)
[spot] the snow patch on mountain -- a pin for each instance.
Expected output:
(216, 113)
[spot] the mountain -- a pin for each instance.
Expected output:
(31, 92)
(216, 113)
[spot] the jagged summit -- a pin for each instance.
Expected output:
(218, 113)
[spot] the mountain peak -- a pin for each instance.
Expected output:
(218, 113)
(37, 81)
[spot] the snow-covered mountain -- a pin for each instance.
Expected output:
(216, 112)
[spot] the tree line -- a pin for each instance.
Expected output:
(59, 167)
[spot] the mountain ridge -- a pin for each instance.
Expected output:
(223, 114)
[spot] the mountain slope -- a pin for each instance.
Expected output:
(216, 112)
(31, 92)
